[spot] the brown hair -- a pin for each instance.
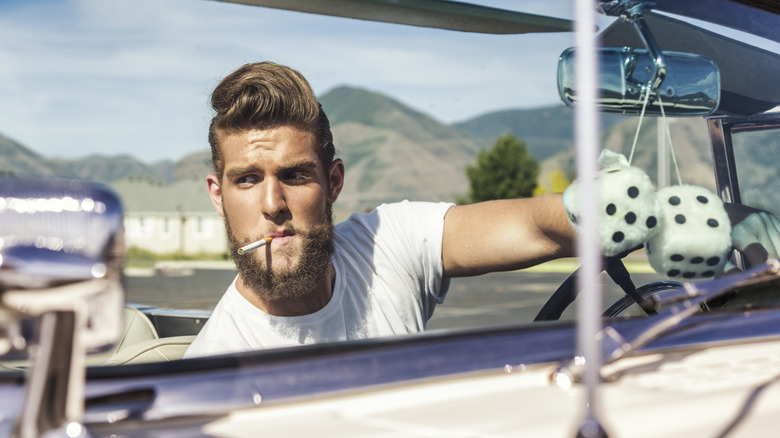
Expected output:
(266, 95)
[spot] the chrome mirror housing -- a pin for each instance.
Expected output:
(61, 254)
(690, 86)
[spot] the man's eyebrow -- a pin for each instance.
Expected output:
(239, 171)
(300, 165)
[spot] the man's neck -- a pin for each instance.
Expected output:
(318, 298)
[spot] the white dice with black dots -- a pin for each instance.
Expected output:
(629, 210)
(695, 239)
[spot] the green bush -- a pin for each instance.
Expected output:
(505, 171)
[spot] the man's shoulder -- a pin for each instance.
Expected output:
(219, 325)
(403, 208)
(393, 227)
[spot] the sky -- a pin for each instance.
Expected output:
(110, 77)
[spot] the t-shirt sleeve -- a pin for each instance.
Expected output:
(413, 231)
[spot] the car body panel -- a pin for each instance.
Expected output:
(327, 372)
(703, 393)
(709, 392)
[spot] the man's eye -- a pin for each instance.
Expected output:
(247, 179)
(295, 177)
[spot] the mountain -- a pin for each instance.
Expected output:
(691, 146)
(108, 169)
(392, 152)
(17, 159)
(547, 131)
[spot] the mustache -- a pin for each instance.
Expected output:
(289, 230)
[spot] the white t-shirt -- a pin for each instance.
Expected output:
(389, 278)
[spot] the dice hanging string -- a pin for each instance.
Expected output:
(639, 125)
(669, 140)
(667, 131)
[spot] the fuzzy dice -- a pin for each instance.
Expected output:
(695, 239)
(630, 211)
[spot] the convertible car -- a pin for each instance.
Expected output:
(689, 355)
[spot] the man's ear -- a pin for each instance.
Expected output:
(336, 178)
(215, 192)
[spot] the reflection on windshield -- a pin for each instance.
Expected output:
(758, 175)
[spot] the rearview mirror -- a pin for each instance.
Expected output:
(691, 86)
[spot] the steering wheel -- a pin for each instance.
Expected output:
(618, 307)
(567, 293)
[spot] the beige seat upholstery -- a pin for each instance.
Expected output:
(138, 328)
(153, 350)
(139, 343)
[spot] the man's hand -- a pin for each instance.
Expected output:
(755, 233)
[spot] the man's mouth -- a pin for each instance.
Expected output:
(254, 245)
(282, 237)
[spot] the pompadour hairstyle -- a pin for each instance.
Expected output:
(267, 95)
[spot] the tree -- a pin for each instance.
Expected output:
(505, 171)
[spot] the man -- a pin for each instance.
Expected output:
(376, 274)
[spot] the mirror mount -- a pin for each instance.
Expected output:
(625, 9)
(645, 81)
(655, 52)
(633, 12)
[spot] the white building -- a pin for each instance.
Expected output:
(188, 232)
(165, 219)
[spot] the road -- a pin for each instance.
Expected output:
(488, 300)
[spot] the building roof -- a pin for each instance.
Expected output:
(147, 195)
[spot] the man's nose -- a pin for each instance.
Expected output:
(272, 198)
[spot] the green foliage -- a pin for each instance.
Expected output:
(556, 182)
(505, 171)
(137, 256)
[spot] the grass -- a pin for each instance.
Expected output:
(634, 265)
(140, 257)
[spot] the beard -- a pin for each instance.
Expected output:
(297, 282)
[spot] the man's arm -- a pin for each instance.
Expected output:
(505, 235)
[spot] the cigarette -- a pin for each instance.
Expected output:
(253, 246)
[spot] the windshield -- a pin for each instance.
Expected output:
(119, 93)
